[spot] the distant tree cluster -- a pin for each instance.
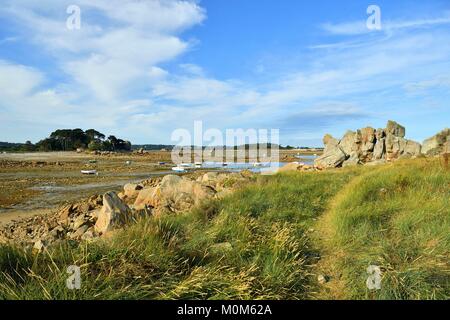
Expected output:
(72, 139)
(17, 147)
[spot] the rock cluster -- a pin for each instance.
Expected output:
(437, 144)
(98, 215)
(367, 145)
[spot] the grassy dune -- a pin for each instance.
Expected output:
(268, 240)
(396, 217)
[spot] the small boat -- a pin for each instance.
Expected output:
(224, 164)
(198, 164)
(257, 164)
(89, 172)
(185, 165)
(178, 169)
(161, 163)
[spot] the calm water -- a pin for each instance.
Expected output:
(265, 167)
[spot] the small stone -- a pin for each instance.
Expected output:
(38, 246)
(322, 279)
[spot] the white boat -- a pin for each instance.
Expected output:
(89, 172)
(198, 164)
(257, 164)
(178, 169)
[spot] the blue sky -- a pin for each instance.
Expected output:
(140, 69)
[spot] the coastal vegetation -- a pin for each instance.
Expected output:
(269, 239)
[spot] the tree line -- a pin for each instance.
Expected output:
(73, 139)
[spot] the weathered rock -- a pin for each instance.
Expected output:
(380, 133)
(333, 157)
(348, 142)
(367, 139)
(395, 129)
(170, 181)
(353, 160)
(395, 146)
(113, 214)
(174, 193)
(57, 232)
(131, 190)
(329, 140)
(145, 198)
(79, 232)
(379, 150)
(412, 148)
(79, 221)
(437, 144)
(65, 213)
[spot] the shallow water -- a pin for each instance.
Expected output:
(54, 194)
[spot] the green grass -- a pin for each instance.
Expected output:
(398, 218)
(251, 245)
(258, 243)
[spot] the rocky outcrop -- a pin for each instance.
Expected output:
(437, 144)
(395, 129)
(367, 145)
(114, 214)
(89, 219)
(333, 155)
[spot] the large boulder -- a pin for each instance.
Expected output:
(395, 129)
(367, 143)
(113, 214)
(412, 148)
(353, 160)
(348, 142)
(170, 180)
(145, 198)
(437, 144)
(395, 146)
(333, 157)
(329, 140)
(131, 190)
(174, 193)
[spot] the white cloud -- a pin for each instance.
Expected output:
(359, 27)
(117, 80)
(17, 81)
(110, 58)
